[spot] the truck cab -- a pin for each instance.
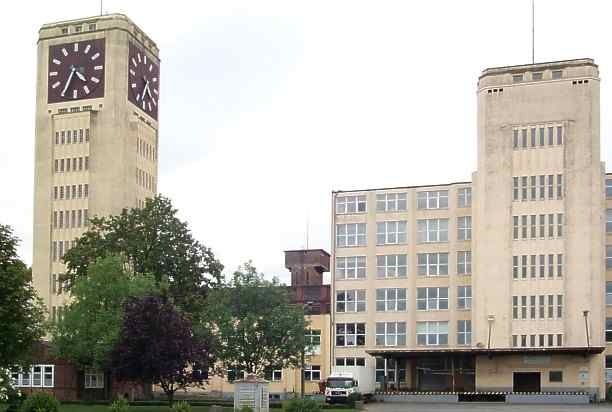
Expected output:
(339, 386)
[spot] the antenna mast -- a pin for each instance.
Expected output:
(533, 31)
(101, 1)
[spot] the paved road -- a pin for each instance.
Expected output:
(480, 407)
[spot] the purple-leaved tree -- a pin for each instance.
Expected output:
(157, 345)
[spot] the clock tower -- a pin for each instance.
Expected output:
(96, 151)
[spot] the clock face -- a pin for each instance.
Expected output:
(76, 71)
(143, 81)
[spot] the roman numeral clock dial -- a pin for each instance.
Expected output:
(143, 81)
(76, 71)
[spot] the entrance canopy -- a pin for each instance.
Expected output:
(449, 369)
(428, 352)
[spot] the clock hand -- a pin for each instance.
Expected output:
(148, 89)
(80, 76)
(67, 82)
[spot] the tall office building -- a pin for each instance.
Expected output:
(96, 134)
(495, 284)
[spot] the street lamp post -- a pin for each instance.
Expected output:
(490, 319)
(585, 313)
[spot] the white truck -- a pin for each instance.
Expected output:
(346, 380)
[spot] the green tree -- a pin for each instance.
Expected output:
(154, 241)
(21, 310)
(89, 329)
(255, 324)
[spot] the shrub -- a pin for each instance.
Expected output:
(181, 406)
(40, 402)
(302, 405)
(120, 405)
(245, 409)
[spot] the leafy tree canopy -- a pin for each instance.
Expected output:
(154, 241)
(21, 310)
(157, 345)
(89, 328)
(255, 324)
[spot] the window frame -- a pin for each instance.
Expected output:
(391, 334)
(357, 337)
(391, 202)
(432, 230)
(464, 299)
(355, 297)
(464, 332)
(464, 262)
(441, 267)
(432, 329)
(359, 202)
(432, 299)
(359, 235)
(390, 300)
(432, 199)
(391, 232)
(396, 270)
(356, 265)
(464, 228)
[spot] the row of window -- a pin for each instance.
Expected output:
(43, 376)
(535, 76)
(396, 266)
(70, 219)
(145, 180)
(537, 307)
(397, 201)
(311, 373)
(608, 220)
(539, 340)
(429, 333)
(537, 226)
(72, 136)
(533, 266)
(60, 247)
(75, 164)
(78, 28)
(394, 299)
(71, 192)
(395, 232)
(37, 376)
(57, 313)
(146, 150)
(538, 187)
(57, 285)
(537, 136)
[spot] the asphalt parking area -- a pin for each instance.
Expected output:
(480, 407)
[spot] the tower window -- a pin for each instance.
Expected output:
(64, 30)
(557, 74)
(536, 76)
(517, 78)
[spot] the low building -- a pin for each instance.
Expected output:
(307, 268)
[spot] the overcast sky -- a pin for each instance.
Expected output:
(268, 106)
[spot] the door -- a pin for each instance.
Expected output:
(526, 382)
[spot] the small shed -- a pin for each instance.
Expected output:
(252, 392)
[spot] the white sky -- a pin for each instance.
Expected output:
(268, 106)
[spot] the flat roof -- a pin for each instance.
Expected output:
(577, 350)
(307, 250)
(538, 66)
(402, 187)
